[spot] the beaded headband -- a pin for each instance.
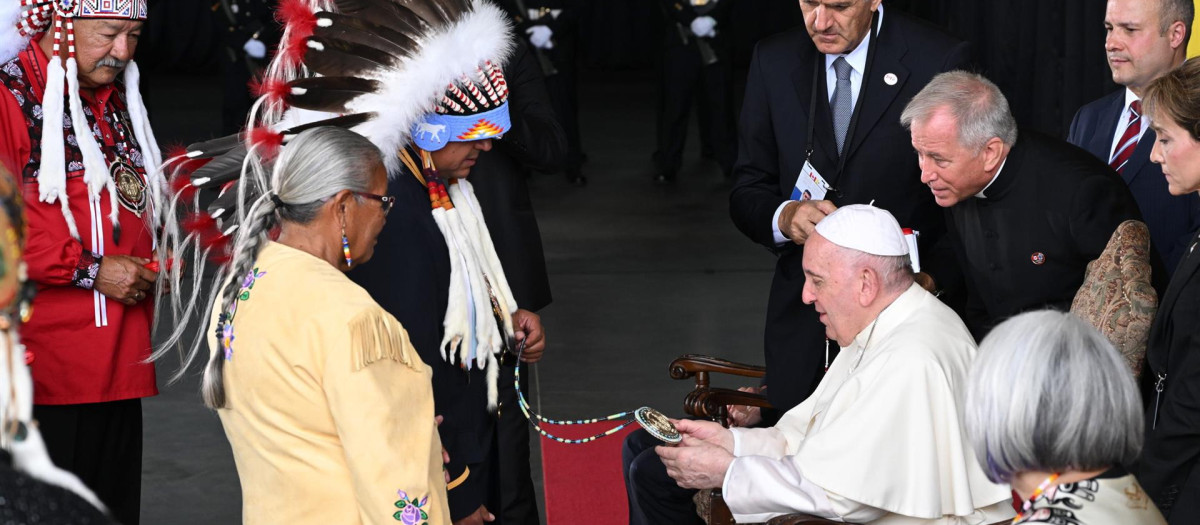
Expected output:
(471, 109)
(23, 20)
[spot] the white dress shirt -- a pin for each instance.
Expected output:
(1123, 122)
(858, 65)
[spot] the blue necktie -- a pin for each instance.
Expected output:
(841, 102)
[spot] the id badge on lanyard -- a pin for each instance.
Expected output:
(810, 185)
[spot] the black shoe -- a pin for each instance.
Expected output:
(665, 177)
(577, 179)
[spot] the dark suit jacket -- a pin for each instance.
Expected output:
(1172, 220)
(880, 166)
(536, 141)
(1026, 246)
(409, 276)
(1169, 470)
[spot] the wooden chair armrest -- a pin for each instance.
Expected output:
(699, 366)
(709, 402)
(801, 519)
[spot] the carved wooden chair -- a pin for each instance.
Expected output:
(709, 402)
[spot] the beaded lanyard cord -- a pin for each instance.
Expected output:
(537, 420)
(653, 421)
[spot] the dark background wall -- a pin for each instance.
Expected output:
(1047, 55)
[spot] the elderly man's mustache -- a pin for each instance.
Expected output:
(112, 62)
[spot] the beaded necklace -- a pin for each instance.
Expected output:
(1037, 493)
(652, 420)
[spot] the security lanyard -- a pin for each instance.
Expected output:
(862, 93)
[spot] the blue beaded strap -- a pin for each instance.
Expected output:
(536, 419)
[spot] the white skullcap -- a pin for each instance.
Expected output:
(864, 228)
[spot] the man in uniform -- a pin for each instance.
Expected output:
(76, 132)
(697, 70)
(1146, 38)
(551, 28)
(248, 31)
(1027, 213)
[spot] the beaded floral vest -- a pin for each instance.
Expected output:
(14, 76)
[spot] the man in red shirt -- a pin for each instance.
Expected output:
(74, 131)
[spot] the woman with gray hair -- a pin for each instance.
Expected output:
(1052, 410)
(327, 406)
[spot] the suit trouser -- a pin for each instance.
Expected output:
(101, 443)
(518, 500)
(683, 79)
(654, 498)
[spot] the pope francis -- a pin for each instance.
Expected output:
(881, 440)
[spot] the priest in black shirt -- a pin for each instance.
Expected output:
(1026, 214)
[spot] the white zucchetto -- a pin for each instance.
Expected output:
(864, 228)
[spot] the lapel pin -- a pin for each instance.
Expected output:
(1038, 258)
(891, 79)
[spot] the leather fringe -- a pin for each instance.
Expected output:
(375, 336)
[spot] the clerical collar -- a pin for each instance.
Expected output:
(993, 181)
(858, 57)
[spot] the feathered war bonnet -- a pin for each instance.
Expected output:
(23, 20)
(400, 73)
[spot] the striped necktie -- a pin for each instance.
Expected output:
(1129, 140)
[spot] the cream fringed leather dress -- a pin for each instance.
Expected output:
(329, 408)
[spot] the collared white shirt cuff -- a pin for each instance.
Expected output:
(780, 239)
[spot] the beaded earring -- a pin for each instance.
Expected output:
(346, 248)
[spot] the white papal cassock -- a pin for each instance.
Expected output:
(881, 440)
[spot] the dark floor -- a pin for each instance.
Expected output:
(640, 275)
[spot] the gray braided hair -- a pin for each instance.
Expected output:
(314, 166)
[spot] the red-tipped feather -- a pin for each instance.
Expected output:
(208, 236)
(267, 141)
(199, 223)
(217, 246)
(183, 167)
(175, 150)
(273, 89)
(216, 242)
(296, 13)
(181, 185)
(300, 22)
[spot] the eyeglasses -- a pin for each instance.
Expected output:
(386, 201)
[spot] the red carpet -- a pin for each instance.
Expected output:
(583, 482)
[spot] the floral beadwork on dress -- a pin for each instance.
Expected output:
(410, 512)
(225, 332)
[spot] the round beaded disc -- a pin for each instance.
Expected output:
(657, 425)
